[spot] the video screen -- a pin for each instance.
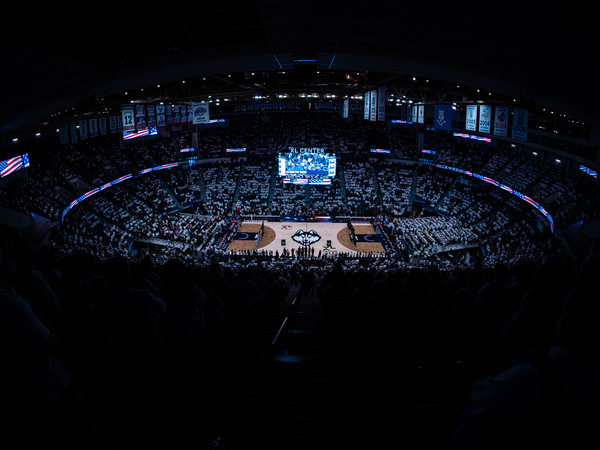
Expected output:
(145, 132)
(380, 150)
(305, 163)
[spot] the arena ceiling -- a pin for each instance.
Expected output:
(57, 54)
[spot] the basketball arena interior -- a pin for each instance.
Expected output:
(299, 226)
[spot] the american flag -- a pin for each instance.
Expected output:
(11, 165)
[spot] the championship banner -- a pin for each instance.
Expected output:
(367, 104)
(169, 115)
(176, 114)
(112, 120)
(83, 131)
(63, 133)
(345, 109)
(403, 113)
(501, 121)
(102, 125)
(120, 123)
(373, 108)
(73, 132)
(151, 116)
(442, 117)
(201, 113)
(485, 118)
(140, 115)
(94, 127)
(471, 123)
(160, 115)
(414, 114)
(128, 119)
(421, 114)
(519, 125)
(183, 113)
(190, 114)
(381, 104)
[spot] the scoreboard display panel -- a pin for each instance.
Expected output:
(307, 163)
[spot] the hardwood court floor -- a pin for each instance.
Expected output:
(337, 233)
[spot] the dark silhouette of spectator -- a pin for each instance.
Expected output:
(183, 320)
(533, 325)
(542, 399)
(28, 282)
(130, 320)
(245, 293)
(45, 404)
(464, 299)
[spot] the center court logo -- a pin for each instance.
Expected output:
(306, 238)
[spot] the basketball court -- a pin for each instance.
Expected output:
(304, 234)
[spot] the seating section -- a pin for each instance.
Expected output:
(366, 185)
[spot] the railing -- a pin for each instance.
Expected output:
(216, 444)
(288, 324)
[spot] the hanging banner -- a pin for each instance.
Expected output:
(102, 126)
(119, 123)
(183, 113)
(112, 120)
(190, 114)
(140, 116)
(471, 122)
(63, 133)
(345, 109)
(403, 114)
(83, 130)
(201, 113)
(160, 115)
(414, 114)
(73, 132)
(373, 108)
(169, 115)
(519, 125)
(127, 118)
(176, 114)
(367, 104)
(381, 104)
(442, 117)
(421, 114)
(485, 118)
(151, 116)
(501, 121)
(94, 127)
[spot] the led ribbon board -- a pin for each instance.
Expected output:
(14, 164)
(305, 181)
(110, 184)
(379, 150)
(508, 189)
(589, 171)
(145, 132)
(472, 136)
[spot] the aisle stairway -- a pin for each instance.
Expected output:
(298, 393)
(313, 390)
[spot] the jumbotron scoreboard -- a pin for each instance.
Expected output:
(300, 165)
